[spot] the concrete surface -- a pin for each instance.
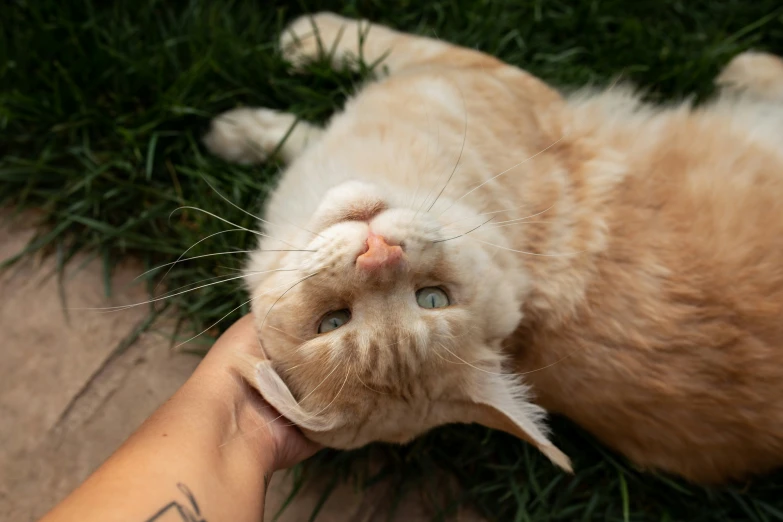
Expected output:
(71, 391)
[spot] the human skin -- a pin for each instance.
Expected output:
(207, 454)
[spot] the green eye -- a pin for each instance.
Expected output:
(432, 297)
(334, 320)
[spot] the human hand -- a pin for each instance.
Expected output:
(253, 419)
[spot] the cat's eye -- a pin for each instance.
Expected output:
(432, 297)
(334, 320)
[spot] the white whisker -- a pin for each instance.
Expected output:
(336, 365)
(498, 175)
(283, 294)
(465, 234)
(125, 307)
(347, 374)
(498, 225)
(548, 365)
(224, 220)
(169, 292)
(216, 323)
(194, 257)
(547, 209)
(461, 150)
(191, 247)
(287, 335)
(466, 362)
(501, 222)
(356, 374)
(252, 215)
(528, 253)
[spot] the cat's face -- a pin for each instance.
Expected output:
(384, 328)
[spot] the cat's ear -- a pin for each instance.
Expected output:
(502, 403)
(260, 374)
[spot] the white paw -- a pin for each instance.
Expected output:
(247, 135)
(312, 36)
(759, 73)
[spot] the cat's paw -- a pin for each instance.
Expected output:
(754, 73)
(248, 135)
(310, 37)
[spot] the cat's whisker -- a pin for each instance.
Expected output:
(299, 402)
(224, 220)
(224, 267)
(195, 257)
(548, 365)
(347, 374)
(498, 225)
(504, 172)
(284, 293)
(302, 347)
(459, 157)
(465, 234)
(216, 322)
(462, 361)
(494, 225)
(506, 210)
(547, 209)
(418, 182)
(292, 336)
(461, 150)
(460, 220)
(126, 307)
(529, 253)
(191, 247)
(278, 287)
(169, 292)
(397, 342)
(253, 215)
(466, 362)
(356, 374)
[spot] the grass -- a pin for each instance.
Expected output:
(102, 105)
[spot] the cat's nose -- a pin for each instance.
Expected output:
(379, 254)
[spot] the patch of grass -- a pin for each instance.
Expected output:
(102, 105)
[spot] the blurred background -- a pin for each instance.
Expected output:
(102, 106)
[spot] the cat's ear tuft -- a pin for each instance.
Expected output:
(260, 374)
(502, 403)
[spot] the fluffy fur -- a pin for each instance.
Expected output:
(623, 259)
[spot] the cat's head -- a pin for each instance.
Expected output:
(384, 327)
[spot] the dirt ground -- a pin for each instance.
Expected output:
(71, 391)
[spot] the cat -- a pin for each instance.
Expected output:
(464, 244)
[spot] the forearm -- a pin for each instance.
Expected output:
(191, 456)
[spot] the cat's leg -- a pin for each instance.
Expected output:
(345, 39)
(250, 135)
(759, 75)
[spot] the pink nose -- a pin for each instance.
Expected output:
(379, 254)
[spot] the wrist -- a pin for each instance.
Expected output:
(239, 418)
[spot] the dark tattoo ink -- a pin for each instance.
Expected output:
(177, 512)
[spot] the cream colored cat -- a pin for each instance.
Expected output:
(460, 228)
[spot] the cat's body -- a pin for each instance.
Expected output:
(632, 270)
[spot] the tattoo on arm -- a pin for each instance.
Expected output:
(179, 512)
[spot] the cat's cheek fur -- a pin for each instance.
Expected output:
(498, 301)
